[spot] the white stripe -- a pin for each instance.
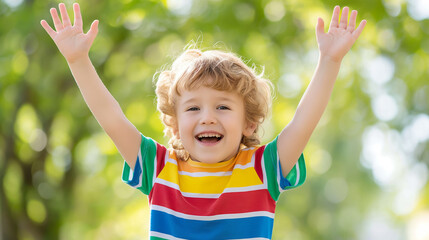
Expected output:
(155, 166)
(163, 235)
(213, 217)
(200, 195)
(248, 165)
(171, 160)
(186, 194)
(244, 189)
(297, 173)
(167, 183)
(141, 167)
(205, 174)
(278, 166)
(264, 173)
(210, 195)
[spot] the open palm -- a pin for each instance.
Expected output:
(72, 42)
(340, 37)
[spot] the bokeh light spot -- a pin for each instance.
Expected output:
(380, 70)
(418, 9)
(180, 7)
(336, 190)
(13, 3)
(321, 161)
(289, 85)
(417, 227)
(384, 107)
(274, 11)
(38, 140)
(36, 211)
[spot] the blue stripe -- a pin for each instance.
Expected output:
(251, 227)
(284, 183)
(136, 174)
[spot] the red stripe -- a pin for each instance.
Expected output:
(160, 157)
(258, 162)
(227, 203)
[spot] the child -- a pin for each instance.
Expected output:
(216, 182)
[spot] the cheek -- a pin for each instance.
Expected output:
(185, 126)
(235, 126)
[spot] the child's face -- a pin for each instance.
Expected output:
(211, 124)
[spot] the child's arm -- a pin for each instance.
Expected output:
(75, 45)
(333, 46)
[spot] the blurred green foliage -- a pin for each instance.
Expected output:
(367, 161)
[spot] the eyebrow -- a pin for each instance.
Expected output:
(226, 99)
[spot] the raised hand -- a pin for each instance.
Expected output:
(72, 42)
(340, 37)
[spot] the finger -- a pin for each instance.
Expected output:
(344, 17)
(57, 22)
(359, 29)
(77, 16)
(64, 15)
(92, 33)
(320, 27)
(335, 16)
(352, 21)
(48, 29)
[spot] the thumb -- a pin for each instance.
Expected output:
(92, 33)
(320, 27)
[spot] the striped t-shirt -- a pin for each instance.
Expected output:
(234, 199)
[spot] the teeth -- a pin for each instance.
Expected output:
(209, 135)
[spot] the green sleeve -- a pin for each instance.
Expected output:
(275, 181)
(142, 176)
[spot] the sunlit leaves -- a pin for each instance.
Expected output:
(36, 210)
(12, 184)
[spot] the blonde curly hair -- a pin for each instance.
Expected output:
(217, 70)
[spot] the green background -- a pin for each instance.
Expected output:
(367, 160)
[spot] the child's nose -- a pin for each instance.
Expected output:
(208, 117)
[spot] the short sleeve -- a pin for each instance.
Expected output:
(275, 181)
(149, 161)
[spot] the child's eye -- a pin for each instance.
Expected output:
(193, 109)
(223, 108)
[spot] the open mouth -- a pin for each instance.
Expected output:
(209, 137)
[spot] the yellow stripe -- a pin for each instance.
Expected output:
(243, 158)
(192, 166)
(210, 184)
(244, 178)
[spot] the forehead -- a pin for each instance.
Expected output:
(202, 93)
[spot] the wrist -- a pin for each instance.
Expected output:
(329, 59)
(78, 60)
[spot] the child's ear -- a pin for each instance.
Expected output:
(249, 129)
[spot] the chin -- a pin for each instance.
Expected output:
(210, 160)
(206, 159)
